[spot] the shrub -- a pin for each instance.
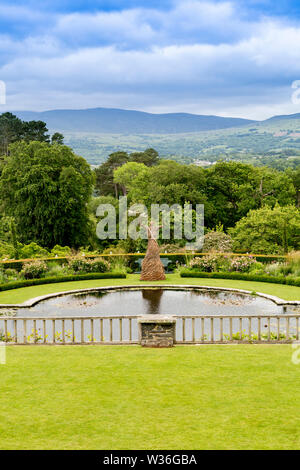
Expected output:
(34, 269)
(289, 268)
(241, 264)
(6, 250)
(33, 250)
(218, 262)
(11, 273)
(118, 263)
(99, 265)
(205, 264)
(267, 230)
(79, 264)
(61, 251)
(210, 263)
(56, 269)
(217, 241)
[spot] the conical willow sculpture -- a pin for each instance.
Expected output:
(152, 267)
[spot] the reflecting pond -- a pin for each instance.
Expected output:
(154, 301)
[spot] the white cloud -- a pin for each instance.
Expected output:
(199, 57)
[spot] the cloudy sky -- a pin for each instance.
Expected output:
(236, 58)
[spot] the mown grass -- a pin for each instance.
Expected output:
(128, 397)
(25, 293)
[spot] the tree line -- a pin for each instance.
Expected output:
(49, 195)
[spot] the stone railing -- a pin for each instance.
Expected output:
(158, 331)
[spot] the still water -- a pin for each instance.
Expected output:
(154, 302)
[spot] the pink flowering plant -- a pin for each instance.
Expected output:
(242, 264)
(223, 263)
(210, 263)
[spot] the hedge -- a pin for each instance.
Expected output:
(52, 280)
(133, 257)
(243, 277)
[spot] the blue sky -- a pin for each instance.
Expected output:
(236, 58)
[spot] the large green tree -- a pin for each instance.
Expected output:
(268, 230)
(46, 189)
(13, 129)
(168, 182)
(235, 188)
(35, 130)
(105, 184)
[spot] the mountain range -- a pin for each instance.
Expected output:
(120, 121)
(95, 133)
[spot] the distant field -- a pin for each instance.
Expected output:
(247, 143)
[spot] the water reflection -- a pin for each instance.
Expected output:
(153, 299)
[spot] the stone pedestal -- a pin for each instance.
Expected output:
(157, 331)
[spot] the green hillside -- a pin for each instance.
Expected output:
(275, 142)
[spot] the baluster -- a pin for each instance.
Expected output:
(63, 331)
(110, 329)
(212, 329)
(130, 329)
(259, 328)
(25, 331)
(121, 332)
(53, 330)
(34, 332)
(73, 331)
(297, 328)
(15, 331)
(44, 331)
(278, 328)
(92, 330)
(183, 329)
(202, 329)
(249, 327)
(221, 329)
(101, 330)
(230, 328)
(193, 330)
(288, 328)
(82, 331)
(5, 330)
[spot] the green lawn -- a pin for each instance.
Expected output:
(127, 397)
(25, 293)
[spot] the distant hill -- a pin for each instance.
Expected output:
(95, 133)
(120, 121)
(282, 117)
